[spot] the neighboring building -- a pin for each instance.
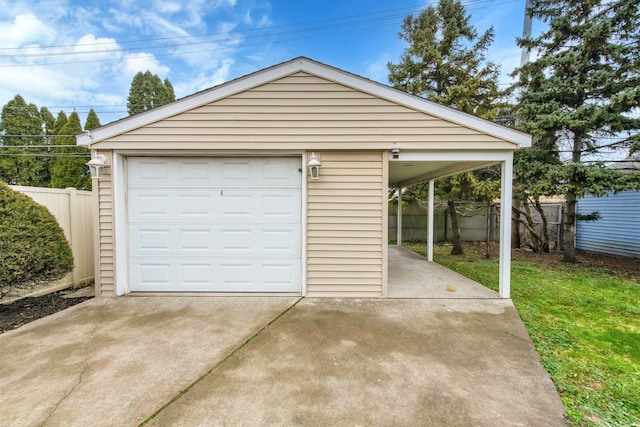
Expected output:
(617, 232)
(211, 194)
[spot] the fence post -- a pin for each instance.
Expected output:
(74, 235)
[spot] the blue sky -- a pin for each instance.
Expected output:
(74, 55)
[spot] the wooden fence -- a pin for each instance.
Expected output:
(74, 211)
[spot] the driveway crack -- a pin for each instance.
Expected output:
(221, 362)
(90, 349)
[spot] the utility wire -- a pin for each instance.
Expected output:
(414, 8)
(231, 40)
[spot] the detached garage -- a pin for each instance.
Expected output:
(213, 193)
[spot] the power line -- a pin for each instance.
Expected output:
(413, 8)
(323, 28)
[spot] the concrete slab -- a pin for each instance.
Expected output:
(412, 276)
(350, 362)
(109, 362)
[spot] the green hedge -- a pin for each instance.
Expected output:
(33, 248)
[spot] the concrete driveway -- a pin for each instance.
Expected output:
(276, 361)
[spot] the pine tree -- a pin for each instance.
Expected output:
(69, 168)
(580, 93)
(61, 120)
(22, 127)
(47, 120)
(147, 91)
(93, 122)
(446, 63)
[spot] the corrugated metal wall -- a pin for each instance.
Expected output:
(617, 232)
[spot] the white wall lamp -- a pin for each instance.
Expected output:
(96, 164)
(314, 166)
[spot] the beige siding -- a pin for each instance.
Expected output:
(345, 214)
(105, 282)
(303, 112)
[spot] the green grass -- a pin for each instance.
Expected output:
(585, 324)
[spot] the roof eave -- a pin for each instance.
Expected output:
(325, 71)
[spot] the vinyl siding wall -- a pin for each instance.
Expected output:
(302, 111)
(617, 232)
(105, 280)
(346, 246)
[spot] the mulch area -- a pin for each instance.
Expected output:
(27, 310)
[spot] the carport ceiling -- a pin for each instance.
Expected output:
(407, 172)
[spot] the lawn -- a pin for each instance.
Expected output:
(585, 324)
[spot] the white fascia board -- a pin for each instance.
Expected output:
(452, 155)
(321, 70)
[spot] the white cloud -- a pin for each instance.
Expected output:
(169, 7)
(134, 62)
(205, 80)
(377, 70)
(25, 29)
(508, 58)
(117, 21)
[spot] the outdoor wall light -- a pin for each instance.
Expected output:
(96, 164)
(314, 166)
(396, 153)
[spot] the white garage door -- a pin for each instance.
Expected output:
(214, 224)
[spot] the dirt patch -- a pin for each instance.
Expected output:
(612, 264)
(27, 310)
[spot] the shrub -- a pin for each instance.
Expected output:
(33, 248)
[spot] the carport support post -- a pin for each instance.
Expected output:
(399, 226)
(430, 222)
(505, 227)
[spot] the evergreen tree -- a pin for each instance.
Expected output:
(581, 90)
(148, 91)
(61, 120)
(93, 122)
(446, 63)
(21, 127)
(170, 94)
(69, 168)
(47, 120)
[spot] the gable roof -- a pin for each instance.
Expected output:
(312, 67)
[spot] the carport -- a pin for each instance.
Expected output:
(412, 276)
(408, 167)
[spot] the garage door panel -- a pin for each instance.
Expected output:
(214, 224)
(281, 173)
(206, 275)
(161, 205)
(171, 172)
(251, 240)
(153, 240)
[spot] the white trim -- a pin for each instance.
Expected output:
(452, 156)
(399, 218)
(430, 221)
(120, 224)
(505, 227)
(320, 70)
(303, 225)
(209, 153)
